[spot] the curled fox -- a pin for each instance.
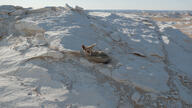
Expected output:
(95, 56)
(89, 53)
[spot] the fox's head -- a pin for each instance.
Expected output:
(89, 49)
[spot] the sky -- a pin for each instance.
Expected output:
(107, 4)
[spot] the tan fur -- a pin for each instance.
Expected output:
(89, 49)
(89, 54)
(95, 56)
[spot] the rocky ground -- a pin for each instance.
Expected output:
(150, 67)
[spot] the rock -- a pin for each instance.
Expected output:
(41, 10)
(115, 36)
(7, 8)
(28, 28)
(68, 7)
(77, 8)
(18, 12)
(135, 97)
(53, 54)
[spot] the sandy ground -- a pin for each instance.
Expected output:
(180, 23)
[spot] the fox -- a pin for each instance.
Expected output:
(96, 56)
(89, 53)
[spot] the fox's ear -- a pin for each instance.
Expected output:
(91, 46)
(94, 44)
(83, 46)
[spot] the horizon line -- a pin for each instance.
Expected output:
(106, 9)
